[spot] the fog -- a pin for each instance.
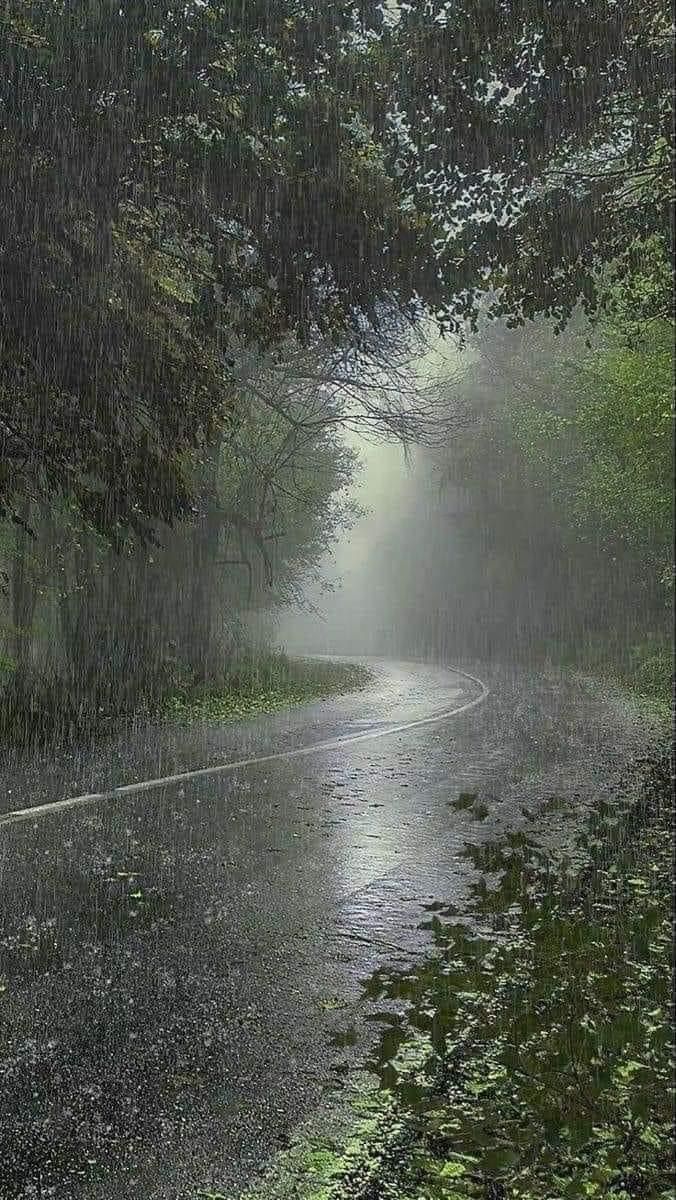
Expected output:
(386, 583)
(350, 608)
(335, 330)
(507, 537)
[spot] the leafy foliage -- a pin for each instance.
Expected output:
(176, 176)
(259, 684)
(187, 188)
(588, 434)
(173, 177)
(555, 529)
(546, 1043)
(94, 633)
(542, 134)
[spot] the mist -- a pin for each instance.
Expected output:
(349, 607)
(336, 599)
(499, 539)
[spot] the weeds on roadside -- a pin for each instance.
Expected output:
(544, 1040)
(258, 684)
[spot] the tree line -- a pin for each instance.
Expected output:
(219, 222)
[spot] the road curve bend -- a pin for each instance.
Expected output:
(178, 941)
(442, 693)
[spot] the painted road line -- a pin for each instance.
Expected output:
(148, 785)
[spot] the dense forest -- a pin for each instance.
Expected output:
(222, 225)
(276, 924)
(542, 522)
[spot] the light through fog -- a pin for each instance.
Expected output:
(344, 609)
(354, 599)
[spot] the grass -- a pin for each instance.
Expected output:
(45, 710)
(645, 668)
(254, 685)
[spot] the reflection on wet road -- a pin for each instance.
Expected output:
(402, 693)
(171, 965)
(455, 701)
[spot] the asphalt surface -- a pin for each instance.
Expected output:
(173, 963)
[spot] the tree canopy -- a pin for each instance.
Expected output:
(540, 138)
(176, 176)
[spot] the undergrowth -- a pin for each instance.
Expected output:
(548, 1041)
(49, 710)
(644, 667)
(260, 684)
(532, 1057)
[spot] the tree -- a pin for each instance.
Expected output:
(540, 133)
(559, 489)
(178, 175)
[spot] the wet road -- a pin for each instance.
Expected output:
(172, 962)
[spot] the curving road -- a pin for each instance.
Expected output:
(404, 697)
(174, 958)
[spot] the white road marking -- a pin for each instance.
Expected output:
(147, 785)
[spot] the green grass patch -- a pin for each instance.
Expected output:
(253, 685)
(343, 1137)
(644, 668)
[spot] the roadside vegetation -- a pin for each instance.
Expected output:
(224, 228)
(532, 1055)
(252, 683)
(552, 505)
(546, 1025)
(263, 683)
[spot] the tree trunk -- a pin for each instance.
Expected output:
(24, 596)
(205, 538)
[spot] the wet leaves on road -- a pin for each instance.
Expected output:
(464, 800)
(330, 1003)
